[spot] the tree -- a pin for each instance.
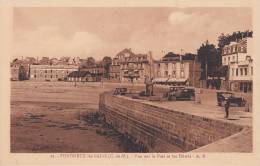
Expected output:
(210, 59)
(22, 75)
(87, 63)
(90, 61)
(45, 61)
(106, 62)
(235, 37)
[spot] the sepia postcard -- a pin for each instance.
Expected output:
(129, 82)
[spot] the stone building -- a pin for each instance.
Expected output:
(114, 72)
(238, 56)
(15, 72)
(174, 69)
(51, 72)
(19, 70)
(130, 67)
(82, 76)
(96, 70)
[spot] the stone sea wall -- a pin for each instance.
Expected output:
(152, 125)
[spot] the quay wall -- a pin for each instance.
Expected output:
(152, 125)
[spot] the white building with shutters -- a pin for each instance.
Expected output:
(238, 56)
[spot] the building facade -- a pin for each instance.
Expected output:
(82, 76)
(15, 72)
(176, 71)
(96, 71)
(114, 72)
(130, 67)
(19, 70)
(51, 72)
(238, 56)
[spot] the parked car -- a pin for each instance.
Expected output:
(142, 93)
(222, 97)
(120, 91)
(180, 93)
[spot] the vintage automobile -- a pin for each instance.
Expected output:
(222, 97)
(120, 91)
(180, 93)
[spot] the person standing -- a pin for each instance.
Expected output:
(227, 105)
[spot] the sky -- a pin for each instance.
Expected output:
(98, 32)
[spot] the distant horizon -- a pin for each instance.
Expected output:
(98, 32)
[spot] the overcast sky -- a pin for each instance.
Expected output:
(99, 32)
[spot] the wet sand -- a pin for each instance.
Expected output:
(49, 117)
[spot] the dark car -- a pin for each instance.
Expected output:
(120, 91)
(222, 97)
(180, 93)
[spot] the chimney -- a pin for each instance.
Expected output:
(181, 55)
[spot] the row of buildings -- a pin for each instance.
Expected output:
(126, 66)
(172, 69)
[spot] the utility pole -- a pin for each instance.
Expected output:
(193, 77)
(206, 67)
(150, 56)
(181, 55)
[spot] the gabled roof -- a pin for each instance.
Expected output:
(126, 50)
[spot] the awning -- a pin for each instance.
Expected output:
(160, 80)
(173, 80)
(216, 78)
(181, 80)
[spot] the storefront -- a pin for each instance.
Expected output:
(242, 86)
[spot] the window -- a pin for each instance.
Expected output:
(225, 60)
(158, 74)
(166, 66)
(233, 58)
(166, 73)
(228, 59)
(45, 71)
(231, 49)
(241, 71)
(173, 66)
(236, 72)
(174, 74)
(182, 74)
(232, 71)
(182, 65)
(245, 71)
